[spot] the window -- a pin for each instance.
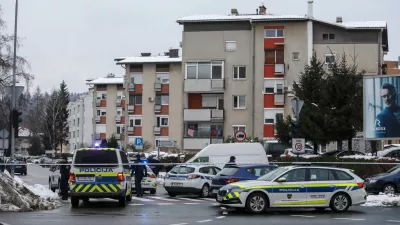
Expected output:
(325, 36)
(259, 171)
(98, 113)
(78, 121)
(136, 78)
(162, 121)
(73, 122)
(138, 122)
(273, 33)
(269, 86)
(331, 36)
(229, 171)
(77, 133)
(119, 112)
(98, 158)
(296, 175)
(328, 36)
(269, 56)
(135, 99)
(271, 114)
(239, 127)
(279, 88)
(162, 78)
(343, 175)
(118, 130)
(295, 56)
(73, 134)
(135, 122)
(103, 96)
(239, 102)
(162, 100)
(230, 46)
(329, 58)
(239, 72)
(103, 113)
(101, 85)
(201, 159)
(78, 108)
(204, 70)
(275, 56)
(321, 175)
(124, 160)
(207, 170)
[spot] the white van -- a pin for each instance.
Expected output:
(219, 154)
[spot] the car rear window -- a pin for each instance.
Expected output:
(96, 157)
(182, 170)
(228, 171)
(341, 175)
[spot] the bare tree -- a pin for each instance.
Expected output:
(52, 120)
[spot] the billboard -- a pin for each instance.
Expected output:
(382, 107)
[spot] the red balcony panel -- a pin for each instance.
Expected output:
(164, 110)
(195, 101)
(103, 103)
(103, 120)
(271, 43)
(164, 131)
(164, 88)
(269, 131)
(137, 131)
(269, 71)
(269, 101)
(138, 110)
(123, 103)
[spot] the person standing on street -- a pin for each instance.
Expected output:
(231, 162)
(64, 171)
(140, 171)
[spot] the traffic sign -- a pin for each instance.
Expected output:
(166, 144)
(139, 142)
(240, 136)
(4, 134)
(298, 145)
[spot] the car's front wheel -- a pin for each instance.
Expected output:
(205, 191)
(172, 194)
(340, 202)
(389, 189)
(256, 203)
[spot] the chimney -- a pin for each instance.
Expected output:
(263, 10)
(145, 54)
(310, 12)
(339, 19)
(234, 12)
(174, 53)
(110, 75)
(166, 53)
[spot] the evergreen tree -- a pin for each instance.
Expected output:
(36, 146)
(282, 129)
(112, 142)
(63, 120)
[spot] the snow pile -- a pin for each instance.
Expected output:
(382, 200)
(359, 157)
(161, 177)
(17, 196)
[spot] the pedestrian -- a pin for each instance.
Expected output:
(231, 162)
(64, 171)
(156, 168)
(140, 171)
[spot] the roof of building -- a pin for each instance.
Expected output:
(107, 80)
(148, 59)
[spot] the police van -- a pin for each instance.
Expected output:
(100, 173)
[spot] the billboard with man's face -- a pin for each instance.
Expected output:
(381, 107)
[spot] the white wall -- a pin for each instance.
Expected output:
(88, 119)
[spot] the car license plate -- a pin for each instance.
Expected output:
(219, 198)
(177, 184)
(18, 167)
(145, 183)
(85, 178)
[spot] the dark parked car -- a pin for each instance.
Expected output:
(388, 183)
(20, 167)
(341, 153)
(232, 174)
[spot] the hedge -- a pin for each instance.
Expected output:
(365, 168)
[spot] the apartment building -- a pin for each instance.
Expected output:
(153, 102)
(239, 69)
(108, 104)
(80, 121)
(392, 67)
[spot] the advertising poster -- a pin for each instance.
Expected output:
(382, 107)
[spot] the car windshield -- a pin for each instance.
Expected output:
(395, 169)
(182, 170)
(98, 158)
(229, 171)
(273, 174)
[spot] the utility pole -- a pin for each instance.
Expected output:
(14, 94)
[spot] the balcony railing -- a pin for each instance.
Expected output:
(157, 108)
(97, 119)
(204, 85)
(98, 102)
(279, 99)
(131, 130)
(157, 130)
(217, 114)
(157, 86)
(97, 136)
(203, 133)
(279, 68)
(118, 102)
(131, 87)
(217, 84)
(202, 114)
(118, 119)
(131, 108)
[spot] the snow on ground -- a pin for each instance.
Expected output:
(382, 200)
(161, 176)
(17, 196)
(359, 157)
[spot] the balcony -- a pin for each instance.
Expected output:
(131, 131)
(131, 108)
(279, 69)
(157, 130)
(98, 102)
(97, 119)
(131, 87)
(97, 136)
(157, 87)
(200, 143)
(118, 136)
(202, 114)
(118, 119)
(204, 85)
(157, 108)
(118, 102)
(279, 99)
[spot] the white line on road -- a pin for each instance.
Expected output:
(220, 217)
(136, 204)
(347, 219)
(164, 203)
(164, 199)
(191, 199)
(303, 216)
(142, 199)
(223, 208)
(215, 204)
(204, 221)
(208, 199)
(191, 203)
(224, 213)
(393, 221)
(179, 224)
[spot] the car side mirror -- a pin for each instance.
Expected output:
(281, 180)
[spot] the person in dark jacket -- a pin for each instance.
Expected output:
(231, 162)
(140, 171)
(64, 171)
(156, 168)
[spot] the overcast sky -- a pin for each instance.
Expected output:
(78, 39)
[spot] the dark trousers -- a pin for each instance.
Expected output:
(138, 186)
(64, 188)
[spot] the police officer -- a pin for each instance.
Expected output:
(64, 171)
(156, 168)
(140, 171)
(231, 162)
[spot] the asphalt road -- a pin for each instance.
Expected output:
(159, 209)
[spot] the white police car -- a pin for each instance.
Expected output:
(149, 183)
(190, 179)
(297, 186)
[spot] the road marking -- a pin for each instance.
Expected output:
(165, 199)
(164, 203)
(215, 204)
(136, 204)
(224, 213)
(303, 216)
(347, 219)
(204, 221)
(208, 199)
(223, 208)
(179, 224)
(393, 221)
(220, 217)
(142, 199)
(191, 199)
(191, 203)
